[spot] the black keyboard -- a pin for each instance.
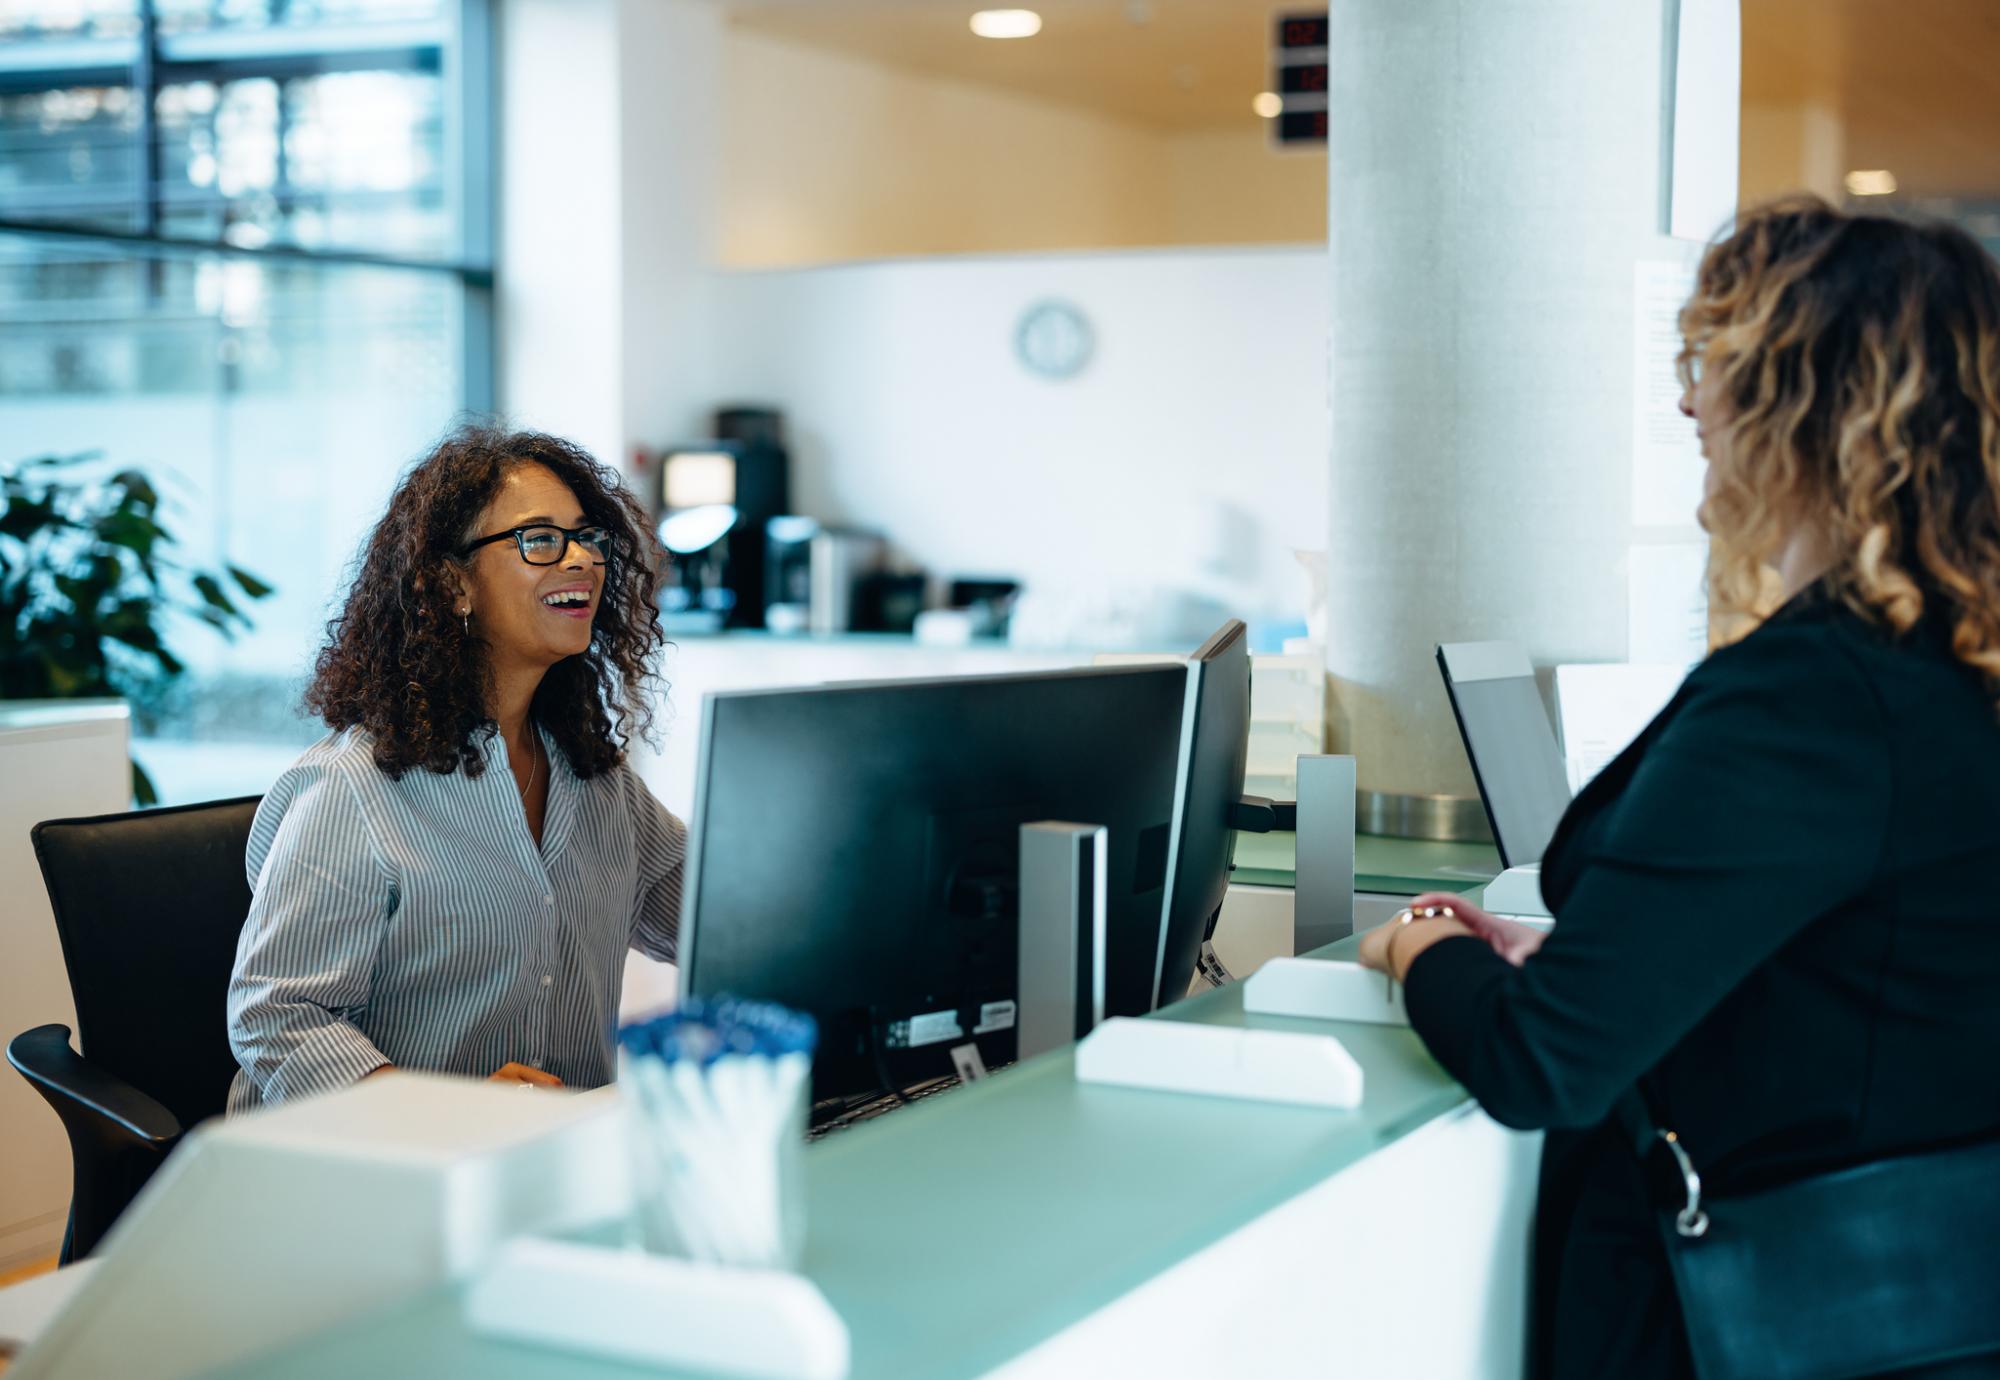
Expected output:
(829, 1117)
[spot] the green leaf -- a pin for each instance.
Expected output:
(142, 637)
(86, 567)
(83, 594)
(24, 517)
(129, 613)
(138, 489)
(133, 531)
(143, 793)
(249, 583)
(210, 590)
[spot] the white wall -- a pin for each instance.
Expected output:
(1190, 454)
(53, 770)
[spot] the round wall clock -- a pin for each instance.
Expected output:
(1053, 340)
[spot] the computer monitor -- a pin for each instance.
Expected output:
(855, 852)
(1513, 750)
(1216, 747)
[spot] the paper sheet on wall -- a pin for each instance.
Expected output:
(1601, 709)
(1667, 603)
(1666, 454)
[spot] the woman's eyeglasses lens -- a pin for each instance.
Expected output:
(546, 545)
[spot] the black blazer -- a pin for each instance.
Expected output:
(1779, 910)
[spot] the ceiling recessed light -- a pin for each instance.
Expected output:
(1871, 182)
(1006, 23)
(1268, 104)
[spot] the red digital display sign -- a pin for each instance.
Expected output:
(1307, 78)
(1302, 31)
(1299, 78)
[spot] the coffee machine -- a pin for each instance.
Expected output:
(815, 576)
(713, 500)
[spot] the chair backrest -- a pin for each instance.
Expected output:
(149, 906)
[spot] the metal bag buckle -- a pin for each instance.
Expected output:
(1691, 1221)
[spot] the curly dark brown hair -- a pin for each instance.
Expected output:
(398, 661)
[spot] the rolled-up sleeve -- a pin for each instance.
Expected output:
(321, 903)
(662, 846)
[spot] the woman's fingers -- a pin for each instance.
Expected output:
(1511, 940)
(1462, 908)
(1516, 941)
(512, 1072)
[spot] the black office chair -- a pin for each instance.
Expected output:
(149, 906)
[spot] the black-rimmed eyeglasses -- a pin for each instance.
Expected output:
(547, 545)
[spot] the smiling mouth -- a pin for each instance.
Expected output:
(574, 602)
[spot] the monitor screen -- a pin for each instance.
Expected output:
(855, 852)
(1217, 747)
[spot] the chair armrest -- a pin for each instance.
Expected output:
(71, 1083)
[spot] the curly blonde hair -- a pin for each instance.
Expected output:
(1859, 360)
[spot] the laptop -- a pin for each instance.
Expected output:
(1505, 727)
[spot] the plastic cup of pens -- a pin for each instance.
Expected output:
(718, 1093)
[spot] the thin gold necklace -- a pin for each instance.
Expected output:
(535, 766)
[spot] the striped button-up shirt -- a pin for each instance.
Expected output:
(415, 922)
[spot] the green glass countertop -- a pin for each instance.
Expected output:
(1400, 867)
(957, 1233)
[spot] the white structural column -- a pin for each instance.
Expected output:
(1496, 170)
(609, 113)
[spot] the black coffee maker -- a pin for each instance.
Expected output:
(713, 499)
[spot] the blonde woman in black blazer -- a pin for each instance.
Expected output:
(1776, 911)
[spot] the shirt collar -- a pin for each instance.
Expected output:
(564, 786)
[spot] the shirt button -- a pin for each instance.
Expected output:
(546, 979)
(534, 1063)
(548, 900)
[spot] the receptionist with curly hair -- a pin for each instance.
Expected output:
(451, 879)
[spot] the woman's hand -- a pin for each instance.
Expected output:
(1375, 946)
(1393, 947)
(1510, 939)
(511, 1072)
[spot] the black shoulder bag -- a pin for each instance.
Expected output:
(1885, 1266)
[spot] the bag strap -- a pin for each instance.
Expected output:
(1645, 1137)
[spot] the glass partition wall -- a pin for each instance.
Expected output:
(245, 247)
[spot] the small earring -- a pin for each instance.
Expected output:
(465, 620)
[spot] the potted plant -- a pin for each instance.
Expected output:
(88, 582)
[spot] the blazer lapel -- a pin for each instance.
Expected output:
(1598, 793)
